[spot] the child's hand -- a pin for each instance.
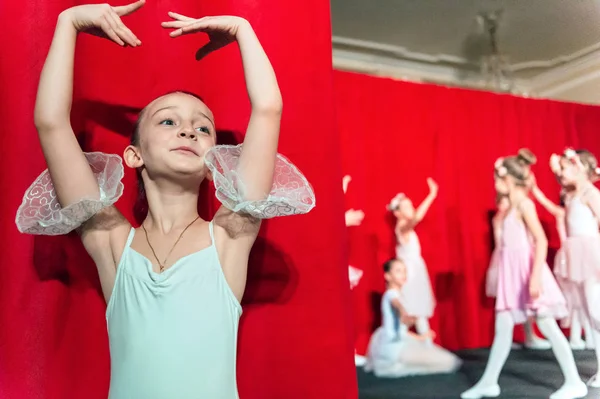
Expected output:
(535, 289)
(433, 187)
(221, 30)
(354, 217)
(104, 21)
(408, 320)
(345, 182)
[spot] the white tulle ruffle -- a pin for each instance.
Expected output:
(291, 193)
(41, 214)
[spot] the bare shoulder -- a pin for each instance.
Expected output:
(526, 206)
(591, 194)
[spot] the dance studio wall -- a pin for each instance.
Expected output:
(396, 134)
(295, 337)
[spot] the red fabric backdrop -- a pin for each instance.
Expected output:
(394, 135)
(295, 338)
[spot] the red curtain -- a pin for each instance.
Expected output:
(295, 337)
(393, 136)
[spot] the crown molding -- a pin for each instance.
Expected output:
(567, 76)
(411, 70)
(562, 74)
(395, 52)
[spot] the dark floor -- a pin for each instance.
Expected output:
(527, 374)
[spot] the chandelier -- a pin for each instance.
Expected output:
(495, 67)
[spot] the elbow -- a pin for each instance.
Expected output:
(47, 123)
(272, 107)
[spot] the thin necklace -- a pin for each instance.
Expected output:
(162, 265)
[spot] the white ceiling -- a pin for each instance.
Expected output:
(553, 46)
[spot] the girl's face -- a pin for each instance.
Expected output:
(501, 185)
(571, 172)
(176, 131)
(406, 209)
(397, 274)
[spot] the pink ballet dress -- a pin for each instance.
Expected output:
(514, 271)
(578, 262)
(417, 292)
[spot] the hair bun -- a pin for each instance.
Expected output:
(526, 157)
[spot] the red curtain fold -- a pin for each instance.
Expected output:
(396, 134)
(295, 338)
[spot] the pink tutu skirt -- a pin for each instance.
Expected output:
(491, 279)
(576, 267)
(580, 259)
(514, 271)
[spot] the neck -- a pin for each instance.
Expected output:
(581, 185)
(394, 286)
(516, 195)
(170, 206)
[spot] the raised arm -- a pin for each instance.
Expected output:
(530, 217)
(69, 169)
(426, 204)
(256, 164)
(71, 174)
(257, 160)
(556, 210)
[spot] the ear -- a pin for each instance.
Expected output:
(133, 157)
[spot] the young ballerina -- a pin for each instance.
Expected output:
(578, 169)
(417, 292)
(526, 286)
(532, 340)
(578, 322)
(395, 351)
(173, 287)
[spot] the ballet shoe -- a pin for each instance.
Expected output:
(571, 391)
(359, 361)
(538, 344)
(478, 392)
(594, 382)
(577, 344)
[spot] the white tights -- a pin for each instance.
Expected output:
(501, 348)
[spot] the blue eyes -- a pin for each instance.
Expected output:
(170, 122)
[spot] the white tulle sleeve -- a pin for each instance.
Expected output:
(291, 193)
(41, 214)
